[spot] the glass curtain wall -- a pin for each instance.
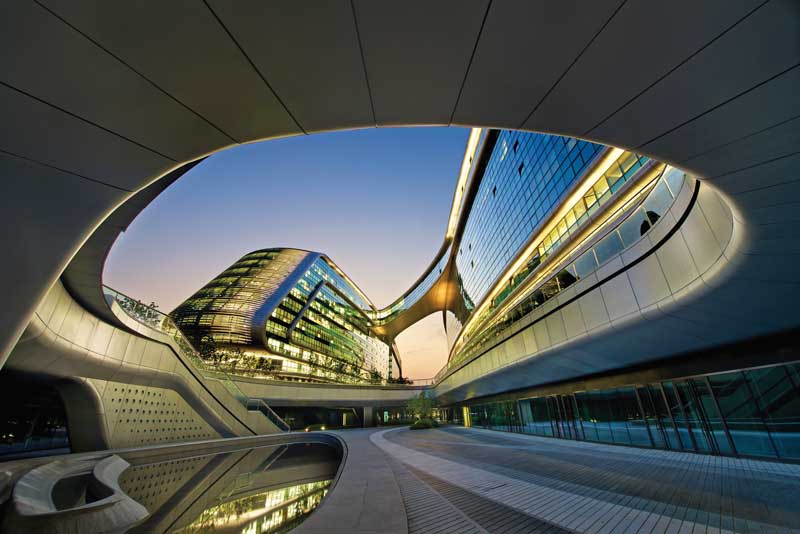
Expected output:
(526, 176)
(323, 327)
(754, 413)
(319, 327)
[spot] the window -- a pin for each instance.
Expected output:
(608, 247)
(658, 202)
(747, 429)
(674, 179)
(777, 395)
(634, 227)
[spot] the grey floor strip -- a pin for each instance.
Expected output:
(591, 488)
(428, 511)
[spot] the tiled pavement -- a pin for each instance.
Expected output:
(468, 480)
(427, 510)
(455, 480)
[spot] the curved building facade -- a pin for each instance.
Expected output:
(522, 201)
(288, 314)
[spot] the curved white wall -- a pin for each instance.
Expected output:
(145, 393)
(625, 320)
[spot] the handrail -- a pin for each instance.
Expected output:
(151, 317)
(263, 407)
(422, 381)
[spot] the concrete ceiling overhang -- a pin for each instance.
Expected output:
(102, 99)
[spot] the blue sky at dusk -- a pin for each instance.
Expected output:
(376, 201)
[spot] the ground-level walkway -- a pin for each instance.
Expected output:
(467, 480)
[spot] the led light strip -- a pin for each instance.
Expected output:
(649, 180)
(466, 166)
(599, 170)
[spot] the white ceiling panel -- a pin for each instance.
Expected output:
(759, 109)
(736, 62)
(643, 42)
(524, 48)
(417, 55)
(44, 57)
(767, 145)
(47, 135)
(183, 49)
(310, 56)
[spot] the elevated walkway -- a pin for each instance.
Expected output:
(280, 393)
(130, 387)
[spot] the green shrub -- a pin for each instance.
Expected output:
(424, 423)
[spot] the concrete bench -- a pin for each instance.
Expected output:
(73, 496)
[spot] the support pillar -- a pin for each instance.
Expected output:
(368, 419)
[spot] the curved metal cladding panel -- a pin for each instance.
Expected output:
(229, 306)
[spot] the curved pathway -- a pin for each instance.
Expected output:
(516, 483)
(457, 480)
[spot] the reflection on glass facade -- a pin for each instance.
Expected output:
(621, 170)
(266, 512)
(754, 413)
(287, 314)
(266, 489)
(621, 235)
(526, 176)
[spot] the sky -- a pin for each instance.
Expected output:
(376, 201)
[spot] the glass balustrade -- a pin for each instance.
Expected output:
(152, 318)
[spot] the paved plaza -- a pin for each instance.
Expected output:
(468, 480)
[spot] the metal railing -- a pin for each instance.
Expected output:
(263, 407)
(161, 322)
(421, 381)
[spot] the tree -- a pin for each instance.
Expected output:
(207, 348)
(375, 376)
(400, 380)
(421, 405)
(235, 357)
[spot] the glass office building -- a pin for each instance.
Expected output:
(548, 212)
(618, 233)
(526, 176)
(753, 412)
(525, 204)
(287, 314)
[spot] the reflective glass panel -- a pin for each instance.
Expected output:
(747, 428)
(779, 399)
(711, 419)
(658, 202)
(634, 227)
(608, 247)
(585, 264)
